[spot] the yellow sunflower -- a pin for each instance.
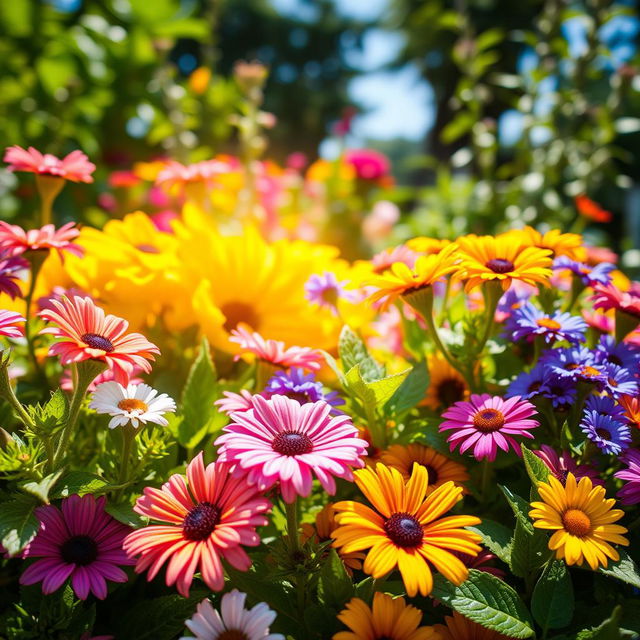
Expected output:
(502, 258)
(388, 619)
(457, 627)
(446, 384)
(560, 244)
(401, 280)
(405, 529)
(440, 469)
(582, 520)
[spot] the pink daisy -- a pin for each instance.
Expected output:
(16, 240)
(274, 351)
(176, 176)
(233, 402)
(87, 333)
(610, 297)
(562, 464)
(75, 166)
(281, 440)
(81, 542)
(9, 321)
(207, 516)
(487, 422)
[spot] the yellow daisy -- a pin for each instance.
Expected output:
(582, 520)
(440, 469)
(560, 244)
(502, 258)
(405, 529)
(430, 246)
(457, 627)
(388, 619)
(401, 280)
(446, 384)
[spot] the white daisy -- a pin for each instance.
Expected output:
(235, 623)
(135, 403)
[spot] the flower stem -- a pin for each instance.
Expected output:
(6, 391)
(36, 260)
(291, 510)
(128, 436)
(486, 479)
(492, 294)
(48, 187)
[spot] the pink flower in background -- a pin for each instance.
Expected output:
(74, 167)
(630, 492)
(385, 259)
(610, 297)
(599, 321)
(275, 352)
(378, 224)
(175, 176)
(87, 333)
(280, 440)
(81, 542)
(487, 422)
(369, 164)
(9, 321)
(10, 267)
(16, 240)
(66, 381)
(58, 293)
(562, 464)
(233, 402)
(325, 290)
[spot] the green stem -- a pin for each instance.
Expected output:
(486, 479)
(6, 391)
(48, 187)
(128, 436)
(291, 510)
(36, 259)
(492, 294)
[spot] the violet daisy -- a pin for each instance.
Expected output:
(623, 354)
(82, 542)
(610, 435)
(281, 440)
(527, 384)
(605, 406)
(566, 362)
(301, 387)
(560, 464)
(561, 391)
(487, 422)
(590, 276)
(527, 322)
(630, 492)
(619, 381)
(325, 290)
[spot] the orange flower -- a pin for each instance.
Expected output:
(592, 210)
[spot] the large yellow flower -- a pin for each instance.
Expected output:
(440, 469)
(582, 520)
(446, 384)
(423, 244)
(389, 618)
(502, 258)
(560, 244)
(404, 529)
(401, 280)
(458, 627)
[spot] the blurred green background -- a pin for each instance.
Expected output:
(495, 113)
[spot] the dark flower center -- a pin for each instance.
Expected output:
(450, 391)
(488, 420)
(80, 550)
(201, 521)
(97, 342)
(404, 530)
(432, 474)
(232, 634)
(534, 386)
(499, 265)
(300, 396)
(604, 433)
(614, 359)
(237, 312)
(291, 443)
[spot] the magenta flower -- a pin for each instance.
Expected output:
(81, 542)
(280, 440)
(562, 464)
(233, 402)
(487, 422)
(9, 321)
(630, 492)
(74, 167)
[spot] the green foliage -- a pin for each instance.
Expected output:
(625, 569)
(488, 601)
(537, 470)
(49, 418)
(80, 482)
(335, 587)
(496, 537)
(41, 489)
(353, 352)
(552, 602)
(608, 630)
(18, 524)
(410, 392)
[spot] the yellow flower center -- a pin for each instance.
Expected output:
(590, 372)
(488, 420)
(132, 404)
(576, 522)
(548, 323)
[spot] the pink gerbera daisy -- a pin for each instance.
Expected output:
(74, 167)
(487, 422)
(610, 297)
(175, 177)
(9, 321)
(81, 542)
(274, 351)
(16, 240)
(206, 516)
(235, 401)
(281, 440)
(87, 333)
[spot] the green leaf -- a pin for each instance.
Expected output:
(18, 524)
(353, 351)
(608, 630)
(410, 392)
(529, 551)
(488, 601)
(552, 603)
(335, 586)
(537, 470)
(519, 506)
(625, 569)
(58, 406)
(496, 537)
(198, 396)
(385, 388)
(79, 482)
(42, 488)
(123, 512)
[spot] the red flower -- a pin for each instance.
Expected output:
(592, 210)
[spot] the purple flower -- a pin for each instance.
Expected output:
(590, 276)
(561, 464)
(325, 290)
(605, 406)
(527, 322)
(302, 387)
(527, 384)
(561, 391)
(565, 363)
(623, 354)
(630, 492)
(9, 268)
(609, 434)
(619, 381)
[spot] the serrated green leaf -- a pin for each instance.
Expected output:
(625, 569)
(353, 351)
(18, 524)
(335, 586)
(488, 601)
(552, 603)
(80, 482)
(496, 537)
(385, 388)
(519, 506)
(536, 468)
(42, 488)
(608, 630)
(58, 406)
(410, 392)
(529, 551)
